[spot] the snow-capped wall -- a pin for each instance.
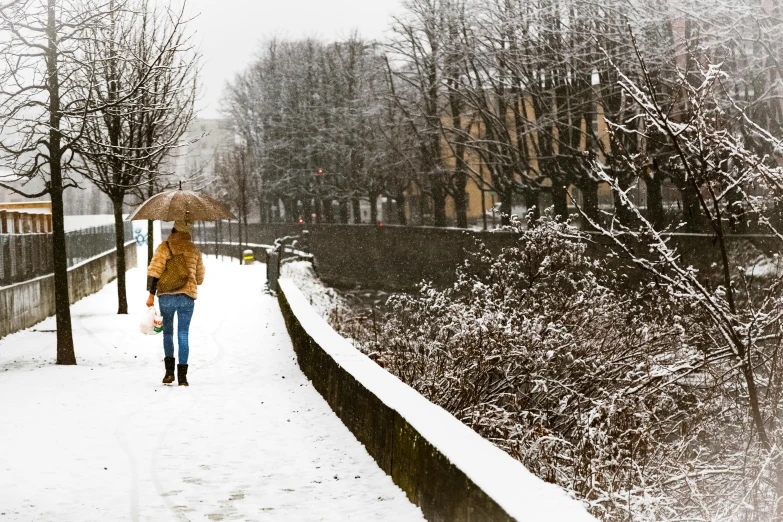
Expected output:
(446, 468)
(25, 304)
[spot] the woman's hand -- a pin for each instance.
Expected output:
(151, 301)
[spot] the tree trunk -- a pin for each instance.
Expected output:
(65, 348)
(560, 197)
(625, 215)
(460, 169)
(247, 229)
(461, 197)
(357, 210)
(291, 210)
(119, 241)
(261, 210)
(150, 224)
(307, 210)
(239, 238)
(150, 241)
(344, 212)
(439, 202)
(401, 216)
(655, 213)
(373, 207)
(736, 211)
(318, 211)
(328, 210)
(691, 211)
(589, 190)
(531, 202)
(505, 207)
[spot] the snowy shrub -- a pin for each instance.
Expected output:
(594, 382)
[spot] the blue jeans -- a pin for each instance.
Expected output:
(182, 305)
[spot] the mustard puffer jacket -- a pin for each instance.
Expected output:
(180, 243)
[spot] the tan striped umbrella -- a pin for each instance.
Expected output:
(181, 204)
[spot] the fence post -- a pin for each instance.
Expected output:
(43, 251)
(49, 249)
(5, 254)
(42, 263)
(272, 269)
(29, 254)
(35, 258)
(18, 255)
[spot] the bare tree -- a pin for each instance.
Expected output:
(744, 313)
(146, 58)
(43, 111)
(418, 53)
(306, 106)
(234, 171)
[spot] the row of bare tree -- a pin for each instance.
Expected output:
(99, 88)
(532, 98)
(509, 95)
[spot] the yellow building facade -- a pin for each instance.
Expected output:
(483, 203)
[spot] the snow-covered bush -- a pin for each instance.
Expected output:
(594, 382)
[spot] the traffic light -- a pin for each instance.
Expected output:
(320, 171)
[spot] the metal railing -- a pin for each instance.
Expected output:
(87, 243)
(27, 256)
(285, 249)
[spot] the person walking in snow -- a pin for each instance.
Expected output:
(180, 256)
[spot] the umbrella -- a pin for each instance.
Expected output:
(181, 204)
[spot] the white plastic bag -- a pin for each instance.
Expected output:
(151, 322)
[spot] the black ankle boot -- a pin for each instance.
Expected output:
(169, 377)
(182, 374)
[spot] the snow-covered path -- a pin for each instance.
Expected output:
(250, 439)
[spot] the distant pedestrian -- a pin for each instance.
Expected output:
(181, 262)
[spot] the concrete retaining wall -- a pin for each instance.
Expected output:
(444, 467)
(26, 304)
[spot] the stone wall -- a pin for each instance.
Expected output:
(26, 304)
(443, 466)
(398, 257)
(390, 257)
(394, 257)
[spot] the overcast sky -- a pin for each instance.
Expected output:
(229, 31)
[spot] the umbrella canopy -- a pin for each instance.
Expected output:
(181, 204)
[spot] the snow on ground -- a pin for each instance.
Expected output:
(506, 480)
(250, 439)
(325, 300)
